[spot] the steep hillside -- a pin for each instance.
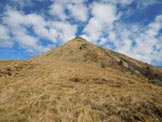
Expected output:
(80, 82)
(80, 50)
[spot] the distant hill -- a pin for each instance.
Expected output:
(80, 82)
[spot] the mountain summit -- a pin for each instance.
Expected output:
(80, 50)
(80, 82)
(77, 49)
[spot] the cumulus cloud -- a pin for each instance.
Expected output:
(5, 40)
(19, 23)
(143, 4)
(115, 2)
(134, 40)
(139, 42)
(104, 13)
(77, 11)
(39, 26)
(64, 30)
(57, 10)
(102, 21)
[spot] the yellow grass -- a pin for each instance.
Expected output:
(78, 83)
(47, 91)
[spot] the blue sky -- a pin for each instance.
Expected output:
(131, 27)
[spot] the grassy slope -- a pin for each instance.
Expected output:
(76, 91)
(84, 84)
(80, 50)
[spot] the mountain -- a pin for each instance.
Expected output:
(80, 50)
(80, 82)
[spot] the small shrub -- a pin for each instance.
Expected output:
(156, 75)
(75, 79)
(103, 65)
(83, 46)
(120, 62)
(148, 68)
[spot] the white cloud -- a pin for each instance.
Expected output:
(100, 23)
(19, 23)
(77, 10)
(141, 4)
(104, 15)
(64, 30)
(112, 36)
(93, 30)
(153, 28)
(140, 42)
(57, 10)
(14, 18)
(5, 39)
(122, 2)
(125, 2)
(40, 27)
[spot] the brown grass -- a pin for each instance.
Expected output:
(54, 91)
(80, 82)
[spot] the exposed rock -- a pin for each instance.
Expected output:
(83, 46)
(125, 64)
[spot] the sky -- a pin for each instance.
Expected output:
(131, 27)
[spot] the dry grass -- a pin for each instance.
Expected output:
(77, 91)
(79, 82)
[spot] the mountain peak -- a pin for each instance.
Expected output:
(75, 49)
(80, 50)
(77, 40)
